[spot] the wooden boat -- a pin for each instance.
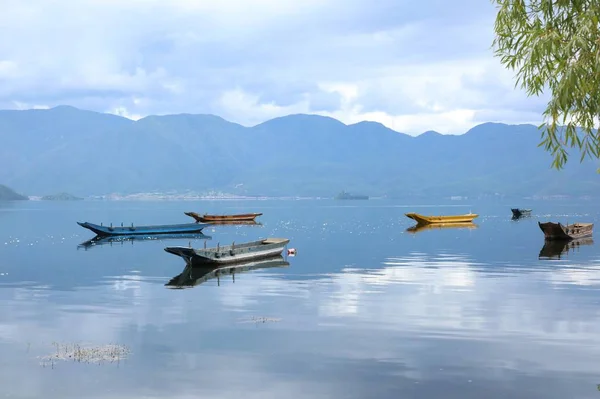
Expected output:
(193, 276)
(110, 240)
(231, 253)
(422, 219)
(143, 230)
(554, 249)
(435, 226)
(223, 218)
(236, 223)
(558, 231)
(518, 212)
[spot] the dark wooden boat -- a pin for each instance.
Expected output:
(558, 231)
(244, 217)
(110, 240)
(192, 276)
(518, 212)
(437, 226)
(143, 230)
(554, 249)
(231, 253)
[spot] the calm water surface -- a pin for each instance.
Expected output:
(366, 309)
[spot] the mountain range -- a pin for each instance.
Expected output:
(89, 153)
(8, 194)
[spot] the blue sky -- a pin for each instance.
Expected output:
(413, 66)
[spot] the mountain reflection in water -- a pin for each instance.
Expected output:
(363, 310)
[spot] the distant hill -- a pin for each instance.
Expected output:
(8, 194)
(61, 197)
(89, 153)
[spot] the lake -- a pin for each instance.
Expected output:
(366, 309)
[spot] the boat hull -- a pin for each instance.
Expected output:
(235, 223)
(517, 213)
(105, 231)
(231, 254)
(244, 217)
(422, 219)
(558, 231)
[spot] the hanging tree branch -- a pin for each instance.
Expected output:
(555, 45)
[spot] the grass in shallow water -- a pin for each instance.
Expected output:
(96, 354)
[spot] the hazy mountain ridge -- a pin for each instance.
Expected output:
(8, 194)
(89, 153)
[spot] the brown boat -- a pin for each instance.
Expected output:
(244, 217)
(557, 231)
(236, 222)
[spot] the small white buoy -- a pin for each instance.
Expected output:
(291, 252)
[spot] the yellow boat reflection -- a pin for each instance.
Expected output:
(437, 226)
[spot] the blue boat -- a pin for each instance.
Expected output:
(139, 230)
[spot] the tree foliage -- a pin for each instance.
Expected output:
(555, 45)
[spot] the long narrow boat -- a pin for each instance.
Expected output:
(437, 226)
(518, 212)
(141, 230)
(110, 240)
(235, 223)
(231, 253)
(558, 231)
(193, 276)
(554, 249)
(223, 218)
(422, 219)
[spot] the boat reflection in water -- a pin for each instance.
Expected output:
(437, 226)
(554, 249)
(108, 240)
(520, 217)
(192, 276)
(236, 222)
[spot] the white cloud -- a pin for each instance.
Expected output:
(237, 102)
(250, 61)
(122, 111)
(22, 106)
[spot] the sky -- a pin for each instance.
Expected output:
(413, 66)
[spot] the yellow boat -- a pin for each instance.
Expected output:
(422, 219)
(436, 226)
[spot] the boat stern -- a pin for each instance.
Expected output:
(94, 228)
(194, 215)
(412, 216)
(185, 252)
(553, 231)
